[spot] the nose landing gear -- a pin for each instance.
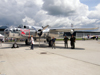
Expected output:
(15, 45)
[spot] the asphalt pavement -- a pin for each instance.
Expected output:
(43, 60)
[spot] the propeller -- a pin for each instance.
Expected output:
(45, 27)
(40, 32)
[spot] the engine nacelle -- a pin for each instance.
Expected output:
(72, 31)
(39, 32)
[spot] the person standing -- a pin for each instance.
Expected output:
(53, 42)
(96, 37)
(72, 40)
(88, 37)
(66, 41)
(32, 43)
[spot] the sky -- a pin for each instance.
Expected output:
(55, 13)
(90, 3)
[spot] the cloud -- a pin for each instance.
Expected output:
(30, 9)
(29, 21)
(10, 13)
(13, 12)
(70, 12)
(56, 13)
(95, 14)
(64, 7)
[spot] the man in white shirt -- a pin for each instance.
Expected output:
(32, 42)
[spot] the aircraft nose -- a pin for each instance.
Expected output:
(6, 32)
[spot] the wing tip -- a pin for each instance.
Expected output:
(97, 28)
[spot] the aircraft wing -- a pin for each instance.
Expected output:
(69, 29)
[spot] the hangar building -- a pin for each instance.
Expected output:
(80, 34)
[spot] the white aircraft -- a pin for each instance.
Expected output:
(26, 31)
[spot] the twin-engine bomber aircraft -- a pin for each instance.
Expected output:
(26, 31)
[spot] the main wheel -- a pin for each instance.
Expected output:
(27, 42)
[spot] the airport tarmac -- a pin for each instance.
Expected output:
(43, 60)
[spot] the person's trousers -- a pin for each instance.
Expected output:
(66, 44)
(32, 46)
(53, 45)
(73, 45)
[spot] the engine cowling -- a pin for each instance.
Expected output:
(39, 32)
(72, 31)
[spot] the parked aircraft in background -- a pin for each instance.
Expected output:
(94, 36)
(25, 31)
(90, 37)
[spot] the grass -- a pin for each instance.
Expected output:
(76, 39)
(62, 39)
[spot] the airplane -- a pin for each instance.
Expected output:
(94, 36)
(26, 31)
(91, 37)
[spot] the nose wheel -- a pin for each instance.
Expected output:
(15, 45)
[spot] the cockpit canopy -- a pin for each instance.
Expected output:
(20, 26)
(24, 26)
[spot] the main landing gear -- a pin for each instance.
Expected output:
(49, 41)
(27, 42)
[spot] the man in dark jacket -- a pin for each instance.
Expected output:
(72, 40)
(66, 41)
(53, 42)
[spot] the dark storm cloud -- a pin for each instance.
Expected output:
(59, 9)
(10, 13)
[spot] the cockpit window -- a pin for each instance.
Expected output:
(20, 26)
(23, 26)
(6, 29)
(27, 27)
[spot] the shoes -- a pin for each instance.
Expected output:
(72, 48)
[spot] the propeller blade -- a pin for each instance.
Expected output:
(45, 27)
